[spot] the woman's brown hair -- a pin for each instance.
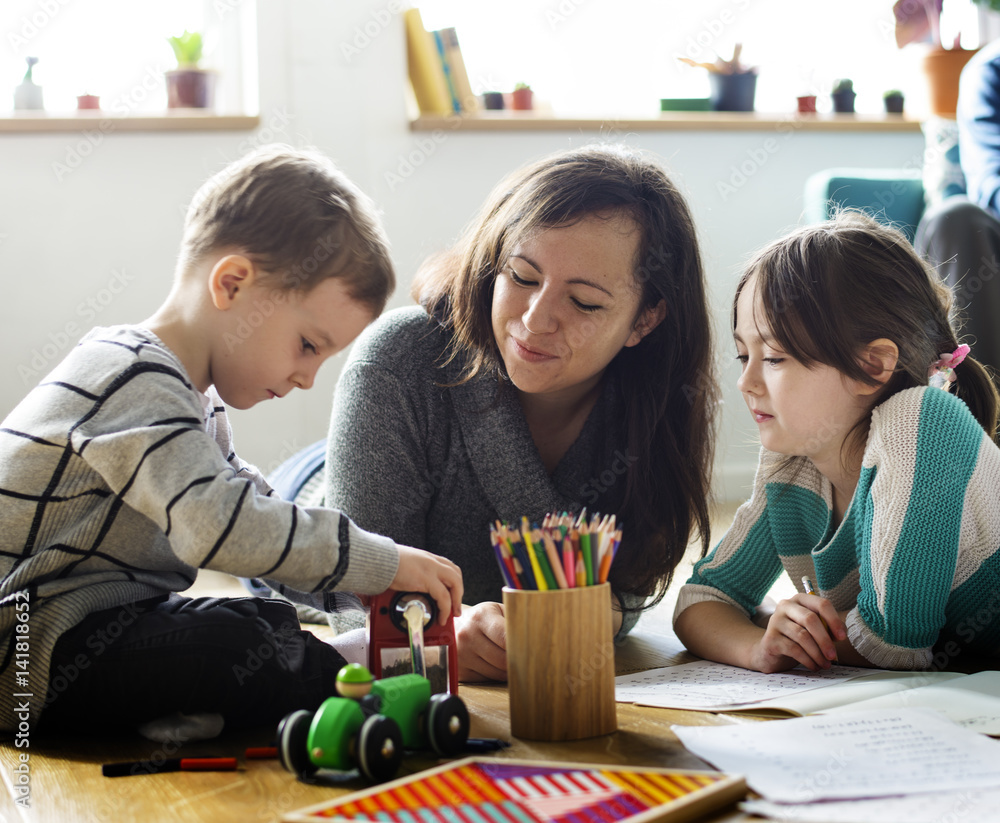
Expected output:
(667, 381)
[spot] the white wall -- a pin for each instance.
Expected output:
(107, 232)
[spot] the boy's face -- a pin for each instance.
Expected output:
(274, 341)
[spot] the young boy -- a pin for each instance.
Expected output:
(118, 479)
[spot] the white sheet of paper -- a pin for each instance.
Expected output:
(970, 806)
(972, 701)
(871, 753)
(707, 686)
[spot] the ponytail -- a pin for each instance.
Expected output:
(975, 387)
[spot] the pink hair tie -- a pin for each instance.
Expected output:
(941, 373)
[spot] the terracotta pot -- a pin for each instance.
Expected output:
(190, 89)
(521, 99)
(942, 68)
(806, 104)
(88, 101)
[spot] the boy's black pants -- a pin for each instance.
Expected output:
(244, 658)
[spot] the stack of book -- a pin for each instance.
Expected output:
(437, 71)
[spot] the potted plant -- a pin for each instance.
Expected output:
(806, 103)
(493, 100)
(843, 96)
(920, 20)
(893, 101)
(189, 86)
(521, 97)
(733, 84)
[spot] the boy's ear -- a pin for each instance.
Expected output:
(229, 276)
(878, 359)
(648, 320)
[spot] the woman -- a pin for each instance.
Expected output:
(560, 358)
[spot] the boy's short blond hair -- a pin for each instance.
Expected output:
(298, 217)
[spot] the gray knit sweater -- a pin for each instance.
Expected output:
(432, 467)
(118, 480)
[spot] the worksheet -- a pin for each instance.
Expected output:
(707, 686)
(970, 806)
(861, 754)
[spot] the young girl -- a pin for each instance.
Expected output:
(879, 480)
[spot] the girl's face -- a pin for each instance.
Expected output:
(566, 302)
(799, 410)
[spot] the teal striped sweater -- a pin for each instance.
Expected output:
(916, 558)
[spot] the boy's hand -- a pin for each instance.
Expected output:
(802, 630)
(421, 571)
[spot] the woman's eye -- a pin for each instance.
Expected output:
(774, 361)
(518, 279)
(742, 358)
(585, 306)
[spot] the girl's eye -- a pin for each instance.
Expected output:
(742, 358)
(308, 347)
(774, 361)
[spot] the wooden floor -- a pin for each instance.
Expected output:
(66, 784)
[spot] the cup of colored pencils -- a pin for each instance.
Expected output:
(563, 553)
(557, 609)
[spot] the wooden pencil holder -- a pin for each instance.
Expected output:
(560, 662)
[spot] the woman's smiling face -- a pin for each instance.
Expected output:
(566, 302)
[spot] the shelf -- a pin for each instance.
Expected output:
(183, 120)
(668, 121)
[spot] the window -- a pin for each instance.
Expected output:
(117, 49)
(607, 57)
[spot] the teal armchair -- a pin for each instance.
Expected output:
(894, 196)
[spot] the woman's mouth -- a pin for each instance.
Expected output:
(532, 355)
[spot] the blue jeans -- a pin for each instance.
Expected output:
(244, 658)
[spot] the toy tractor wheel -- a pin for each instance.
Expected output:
(293, 747)
(447, 724)
(380, 748)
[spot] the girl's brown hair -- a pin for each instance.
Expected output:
(826, 291)
(667, 380)
(296, 215)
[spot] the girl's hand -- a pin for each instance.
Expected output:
(421, 571)
(481, 634)
(802, 630)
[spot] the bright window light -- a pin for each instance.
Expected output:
(619, 57)
(116, 49)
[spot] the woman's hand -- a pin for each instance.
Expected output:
(481, 634)
(421, 571)
(802, 630)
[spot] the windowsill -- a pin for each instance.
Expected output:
(669, 121)
(177, 120)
